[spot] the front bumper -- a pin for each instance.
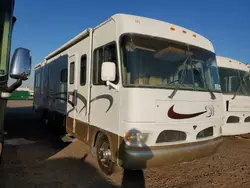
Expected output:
(229, 129)
(146, 157)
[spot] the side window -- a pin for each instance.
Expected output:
(37, 82)
(98, 59)
(83, 70)
(64, 75)
(72, 73)
(102, 54)
(110, 54)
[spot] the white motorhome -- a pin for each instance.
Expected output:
(248, 66)
(142, 92)
(235, 85)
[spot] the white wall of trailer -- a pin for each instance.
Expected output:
(143, 109)
(237, 108)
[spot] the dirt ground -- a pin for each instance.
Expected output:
(36, 157)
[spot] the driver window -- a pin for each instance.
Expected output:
(104, 54)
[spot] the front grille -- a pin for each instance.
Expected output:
(171, 136)
(233, 119)
(247, 119)
(205, 133)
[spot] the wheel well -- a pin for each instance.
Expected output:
(96, 135)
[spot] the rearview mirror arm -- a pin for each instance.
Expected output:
(116, 87)
(15, 85)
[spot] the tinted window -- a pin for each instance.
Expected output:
(234, 81)
(155, 62)
(64, 75)
(83, 70)
(72, 73)
(37, 82)
(102, 54)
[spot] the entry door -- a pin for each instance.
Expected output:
(81, 118)
(72, 93)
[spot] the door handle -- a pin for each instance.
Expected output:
(75, 97)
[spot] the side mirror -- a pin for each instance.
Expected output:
(108, 74)
(108, 71)
(20, 64)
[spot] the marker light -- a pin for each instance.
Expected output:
(194, 35)
(173, 29)
(184, 31)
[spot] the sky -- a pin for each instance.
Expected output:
(43, 26)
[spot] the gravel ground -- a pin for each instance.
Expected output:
(34, 156)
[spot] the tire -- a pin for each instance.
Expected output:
(104, 154)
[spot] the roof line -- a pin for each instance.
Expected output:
(70, 43)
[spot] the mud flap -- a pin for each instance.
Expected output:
(68, 138)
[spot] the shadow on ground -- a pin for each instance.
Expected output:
(42, 162)
(133, 179)
(62, 172)
(23, 122)
(47, 161)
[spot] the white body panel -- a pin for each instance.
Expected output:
(147, 110)
(239, 107)
(151, 27)
(100, 114)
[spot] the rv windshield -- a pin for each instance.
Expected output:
(5, 21)
(234, 81)
(156, 62)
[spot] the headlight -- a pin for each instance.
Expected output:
(136, 137)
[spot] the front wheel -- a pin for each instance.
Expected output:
(104, 154)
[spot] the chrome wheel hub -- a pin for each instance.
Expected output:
(105, 155)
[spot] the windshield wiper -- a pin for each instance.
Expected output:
(238, 89)
(194, 66)
(181, 78)
(245, 84)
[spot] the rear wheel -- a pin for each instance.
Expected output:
(104, 154)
